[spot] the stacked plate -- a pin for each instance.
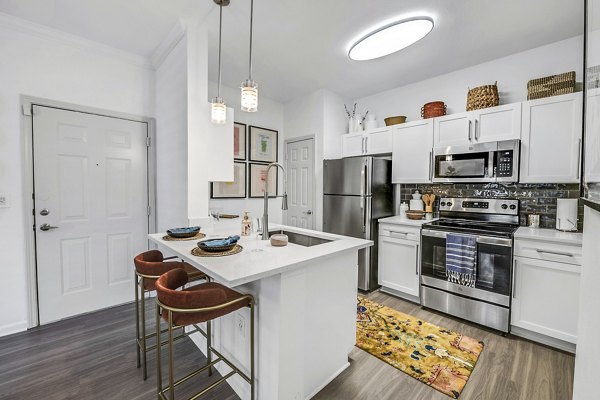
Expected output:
(218, 245)
(183, 232)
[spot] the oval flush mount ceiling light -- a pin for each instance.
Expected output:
(391, 38)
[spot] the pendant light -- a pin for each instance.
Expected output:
(249, 87)
(218, 114)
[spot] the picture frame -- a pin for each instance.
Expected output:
(231, 190)
(256, 180)
(263, 145)
(239, 141)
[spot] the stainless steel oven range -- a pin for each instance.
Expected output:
(491, 223)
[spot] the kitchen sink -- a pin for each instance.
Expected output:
(300, 239)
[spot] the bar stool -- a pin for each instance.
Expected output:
(191, 306)
(149, 266)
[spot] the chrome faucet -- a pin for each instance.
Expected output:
(284, 205)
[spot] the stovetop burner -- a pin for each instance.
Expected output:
(495, 217)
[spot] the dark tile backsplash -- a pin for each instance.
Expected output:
(538, 198)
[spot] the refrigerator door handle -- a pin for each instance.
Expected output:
(362, 187)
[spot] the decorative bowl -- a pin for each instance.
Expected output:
(183, 232)
(415, 214)
(399, 119)
(279, 240)
(215, 249)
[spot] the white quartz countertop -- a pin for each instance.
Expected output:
(398, 220)
(549, 235)
(249, 266)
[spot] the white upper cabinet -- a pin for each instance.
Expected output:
(479, 126)
(412, 152)
(497, 123)
(551, 140)
(592, 137)
(453, 130)
(353, 144)
(374, 141)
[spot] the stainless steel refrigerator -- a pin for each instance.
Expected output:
(357, 191)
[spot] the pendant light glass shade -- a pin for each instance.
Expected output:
(218, 111)
(249, 96)
(249, 88)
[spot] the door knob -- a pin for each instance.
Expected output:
(309, 212)
(45, 212)
(47, 227)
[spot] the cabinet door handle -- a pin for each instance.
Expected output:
(470, 123)
(579, 150)
(393, 233)
(430, 165)
(366, 145)
(476, 129)
(514, 285)
(556, 253)
(417, 263)
(362, 149)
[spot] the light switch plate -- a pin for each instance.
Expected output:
(4, 201)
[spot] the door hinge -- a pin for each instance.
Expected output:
(148, 141)
(34, 227)
(364, 229)
(149, 210)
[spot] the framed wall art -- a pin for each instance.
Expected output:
(257, 177)
(263, 144)
(231, 190)
(239, 141)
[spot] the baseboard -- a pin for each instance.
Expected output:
(543, 339)
(328, 381)
(17, 327)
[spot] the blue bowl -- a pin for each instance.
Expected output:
(183, 232)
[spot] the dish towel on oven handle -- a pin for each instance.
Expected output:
(461, 259)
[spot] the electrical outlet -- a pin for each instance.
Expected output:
(4, 201)
(240, 323)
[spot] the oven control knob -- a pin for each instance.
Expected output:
(504, 206)
(512, 206)
(443, 203)
(449, 204)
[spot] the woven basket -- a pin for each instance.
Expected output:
(552, 85)
(483, 97)
(433, 109)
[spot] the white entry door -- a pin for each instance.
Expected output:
(91, 209)
(300, 161)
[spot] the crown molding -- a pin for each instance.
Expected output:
(15, 24)
(170, 41)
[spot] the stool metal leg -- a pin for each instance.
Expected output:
(252, 388)
(158, 352)
(171, 377)
(143, 318)
(137, 319)
(208, 345)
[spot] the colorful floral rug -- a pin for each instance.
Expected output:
(437, 357)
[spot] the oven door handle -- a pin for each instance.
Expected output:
(496, 241)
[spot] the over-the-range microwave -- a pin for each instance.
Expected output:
(481, 162)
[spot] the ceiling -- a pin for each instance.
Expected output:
(301, 46)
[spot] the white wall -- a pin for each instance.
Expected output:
(588, 346)
(171, 140)
(57, 67)
(270, 116)
(512, 73)
(320, 114)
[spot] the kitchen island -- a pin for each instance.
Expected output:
(305, 307)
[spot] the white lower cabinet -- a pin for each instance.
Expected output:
(545, 296)
(399, 248)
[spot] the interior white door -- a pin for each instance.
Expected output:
(91, 209)
(300, 161)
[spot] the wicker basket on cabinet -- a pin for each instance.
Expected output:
(552, 85)
(483, 97)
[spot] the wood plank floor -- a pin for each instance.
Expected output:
(509, 368)
(93, 357)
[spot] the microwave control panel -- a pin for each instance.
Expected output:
(504, 166)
